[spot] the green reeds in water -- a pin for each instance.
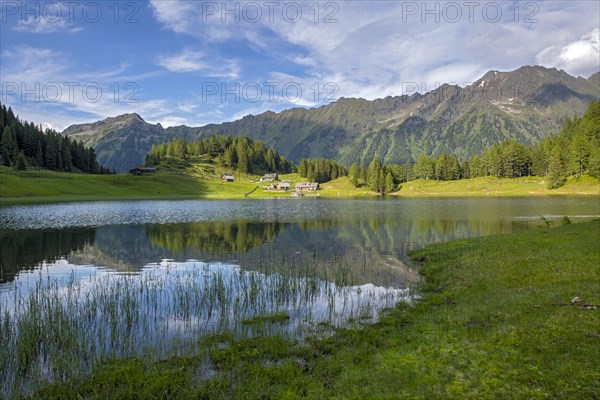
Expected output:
(55, 330)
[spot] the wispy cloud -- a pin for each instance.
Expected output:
(42, 24)
(373, 55)
(368, 49)
(198, 19)
(31, 64)
(194, 61)
(187, 61)
(41, 81)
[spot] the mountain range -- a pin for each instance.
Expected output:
(526, 104)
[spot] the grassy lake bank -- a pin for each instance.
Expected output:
(503, 316)
(31, 187)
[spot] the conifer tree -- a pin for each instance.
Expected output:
(354, 174)
(21, 164)
(363, 171)
(594, 163)
(373, 175)
(243, 160)
(390, 185)
(556, 169)
(8, 146)
(579, 154)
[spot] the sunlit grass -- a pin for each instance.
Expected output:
(26, 187)
(489, 186)
(504, 316)
(47, 186)
(202, 181)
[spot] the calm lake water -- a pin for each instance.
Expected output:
(83, 282)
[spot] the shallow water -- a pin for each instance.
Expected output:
(119, 279)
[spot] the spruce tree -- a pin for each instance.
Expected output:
(354, 174)
(390, 185)
(579, 154)
(311, 174)
(557, 176)
(21, 164)
(8, 146)
(363, 171)
(423, 168)
(243, 160)
(594, 163)
(539, 160)
(373, 175)
(39, 154)
(271, 160)
(464, 170)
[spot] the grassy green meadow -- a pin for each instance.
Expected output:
(488, 186)
(202, 182)
(49, 186)
(507, 316)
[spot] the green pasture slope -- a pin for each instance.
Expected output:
(17, 187)
(24, 187)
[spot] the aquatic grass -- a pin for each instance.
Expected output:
(505, 316)
(60, 329)
(267, 319)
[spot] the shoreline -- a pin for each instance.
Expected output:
(35, 187)
(525, 324)
(13, 201)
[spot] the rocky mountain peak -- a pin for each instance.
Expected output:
(526, 104)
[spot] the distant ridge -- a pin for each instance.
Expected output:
(595, 80)
(526, 104)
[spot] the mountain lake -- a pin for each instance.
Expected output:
(149, 278)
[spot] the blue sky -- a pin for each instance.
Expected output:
(200, 62)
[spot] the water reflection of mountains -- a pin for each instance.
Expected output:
(357, 251)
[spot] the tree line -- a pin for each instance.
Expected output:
(574, 151)
(24, 144)
(235, 152)
(321, 170)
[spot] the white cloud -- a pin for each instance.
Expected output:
(374, 48)
(49, 100)
(184, 16)
(186, 61)
(189, 117)
(195, 61)
(175, 14)
(301, 60)
(170, 121)
(186, 106)
(43, 24)
(370, 52)
(30, 64)
(579, 57)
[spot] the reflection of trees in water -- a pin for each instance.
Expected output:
(213, 237)
(126, 248)
(308, 247)
(25, 249)
(358, 249)
(332, 250)
(388, 234)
